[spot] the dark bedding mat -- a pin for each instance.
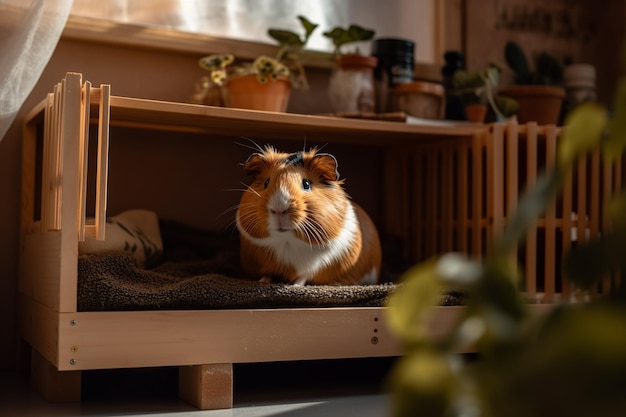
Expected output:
(113, 282)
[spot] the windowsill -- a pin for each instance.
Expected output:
(159, 38)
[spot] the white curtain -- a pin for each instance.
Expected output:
(29, 32)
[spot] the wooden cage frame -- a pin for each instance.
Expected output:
(425, 159)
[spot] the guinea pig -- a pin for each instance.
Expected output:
(298, 225)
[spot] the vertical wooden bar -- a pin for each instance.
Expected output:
(530, 268)
(607, 192)
(463, 176)
(69, 190)
(550, 256)
(58, 144)
(477, 191)
(581, 202)
(207, 387)
(617, 189)
(419, 197)
(566, 222)
(447, 188)
(495, 181)
(512, 164)
(102, 172)
(46, 162)
(432, 186)
(594, 203)
(85, 110)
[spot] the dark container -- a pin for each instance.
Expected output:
(396, 65)
(454, 61)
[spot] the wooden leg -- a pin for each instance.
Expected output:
(207, 387)
(53, 385)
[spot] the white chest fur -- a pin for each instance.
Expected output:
(307, 258)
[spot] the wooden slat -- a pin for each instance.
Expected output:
(477, 194)
(69, 187)
(530, 268)
(495, 182)
(593, 193)
(432, 191)
(566, 226)
(102, 340)
(102, 172)
(85, 110)
(419, 198)
(447, 187)
(463, 176)
(57, 155)
(550, 225)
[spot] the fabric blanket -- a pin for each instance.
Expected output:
(114, 282)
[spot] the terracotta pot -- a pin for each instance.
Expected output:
(357, 62)
(476, 113)
(537, 103)
(246, 92)
(420, 99)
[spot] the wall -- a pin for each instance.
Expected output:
(577, 31)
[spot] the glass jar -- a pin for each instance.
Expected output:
(351, 86)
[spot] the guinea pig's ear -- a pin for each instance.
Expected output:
(254, 165)
(326, 165)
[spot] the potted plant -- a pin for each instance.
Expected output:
(266, 83)
(351, 86)
(477, 91)
(538, 91)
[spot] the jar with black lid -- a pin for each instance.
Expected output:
(396, 65)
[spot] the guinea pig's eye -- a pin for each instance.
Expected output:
(306, 185)
(267, 182)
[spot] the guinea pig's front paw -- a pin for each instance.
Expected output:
(266, 280)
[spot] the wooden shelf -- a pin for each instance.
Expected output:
(228, 122)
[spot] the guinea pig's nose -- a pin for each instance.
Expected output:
(279, 203)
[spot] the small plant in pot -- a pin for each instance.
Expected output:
(539, 91)
(478, 93)
(265, 83)
(351, 86)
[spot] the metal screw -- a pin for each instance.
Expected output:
(72, 322)
(72, 361)
(374, 340)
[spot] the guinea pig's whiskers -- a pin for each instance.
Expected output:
(315, 232)
(255, 146)
(252, 190)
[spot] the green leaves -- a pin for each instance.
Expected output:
(408, 307)
(423, 385)
(289, 38)
(548, 69)
(354, 33)
(532, 203)
(309, 27)
(585, 127)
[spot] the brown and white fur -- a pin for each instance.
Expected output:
(298, 225)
